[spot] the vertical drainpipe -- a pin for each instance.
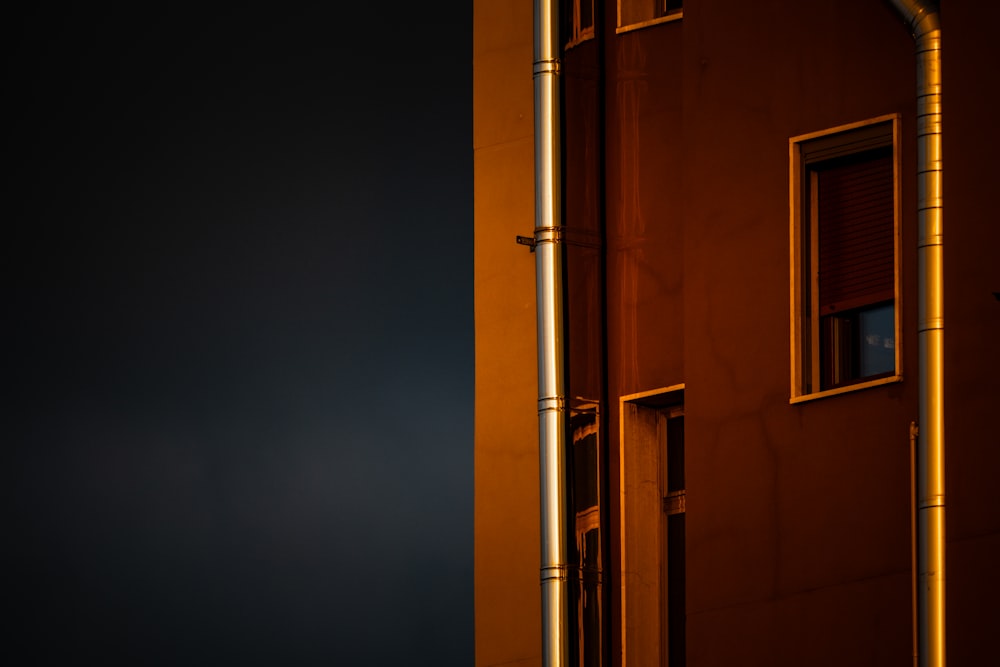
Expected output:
(922, 18)
(552, 415)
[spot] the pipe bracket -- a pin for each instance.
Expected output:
(551, 404)
(555, 234)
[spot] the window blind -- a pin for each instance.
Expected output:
(855, 210)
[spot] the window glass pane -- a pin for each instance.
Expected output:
(838, 342)
(676, 602)
(878, 344)
(586, 14)
(675, 454)
(638, 11)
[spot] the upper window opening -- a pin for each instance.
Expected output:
(635, 14)
(578, 21)
(845, 267)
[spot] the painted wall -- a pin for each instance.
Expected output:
(972, 321)
(798, 515)
(507, 603)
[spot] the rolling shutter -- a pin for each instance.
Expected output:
(856, 249)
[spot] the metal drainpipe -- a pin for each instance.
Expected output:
(552, 415)
(922, 18)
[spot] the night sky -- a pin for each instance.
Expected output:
(238, 335)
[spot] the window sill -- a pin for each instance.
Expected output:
(843, 390)
(651, 22)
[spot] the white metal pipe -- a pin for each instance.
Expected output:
(553, 427)
(922, 18)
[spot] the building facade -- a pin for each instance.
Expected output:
(740, 209)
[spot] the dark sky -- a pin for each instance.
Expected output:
(238, 335)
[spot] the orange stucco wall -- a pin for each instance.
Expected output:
(506, 431)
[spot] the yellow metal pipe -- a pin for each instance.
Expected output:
(553, 427)
(922, 18)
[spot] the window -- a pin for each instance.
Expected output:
(634, 14)
(578, 21)
(845, 315)
(672, 532)
(586, 578)
(654, 511)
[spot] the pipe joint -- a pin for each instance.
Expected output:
(930, 324)
(546, 66)
(931, 240)
(556, 572)
(931, 503)
(550, 66)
